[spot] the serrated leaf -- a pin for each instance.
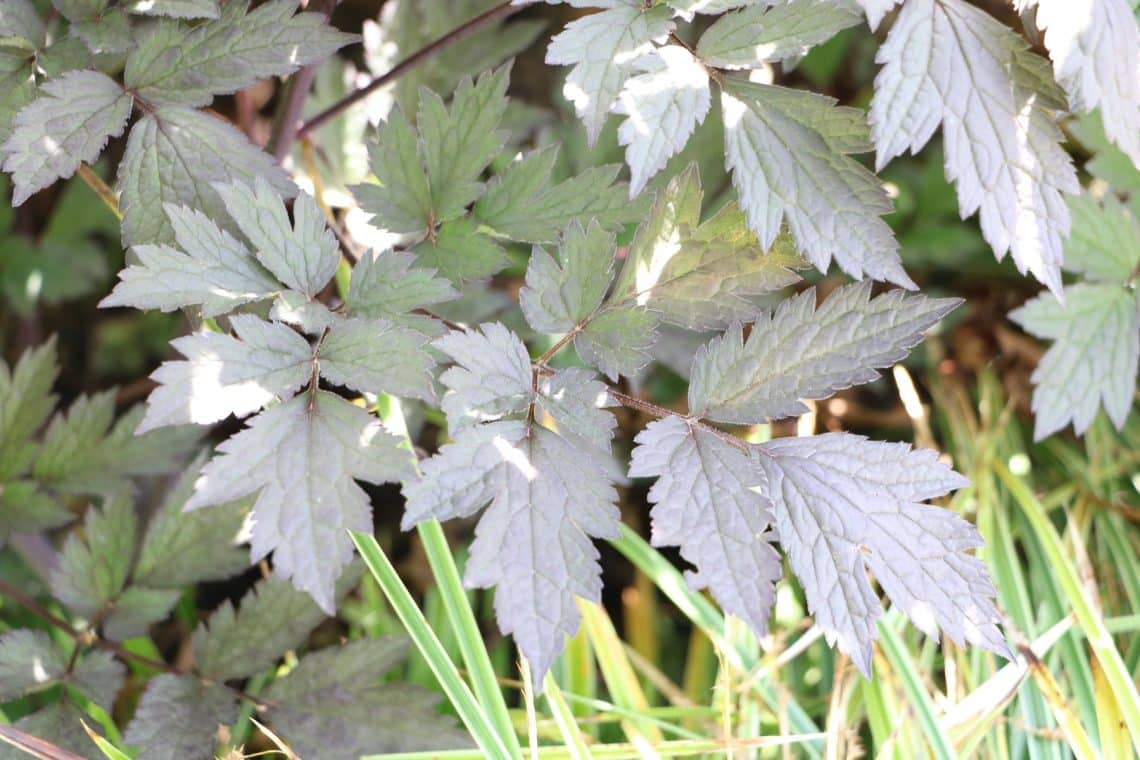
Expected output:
(301, 457)
(709, 499)
(175, 8)
(93, 570)
(99, 676)
(664, 105)
(523, 204)
(137, 609)
(788, 152)
(173, 155)
(459, 141)
(617, 341)
(876, 10)
(401, 202)
(309, 314)
(273, 618)
(686, 8)
(493, 377)
(28, 660)
(388, 285)
(71, 456)
(304, 255)
(1095, 47)
(224, 375)
(373, 356)
(766, 33)
(69, 123)
(701, 276)
(25, 508)
(547, 498)
(575, 400)
(184, 548)
(26, 401)
(178, 717)
(59, 723)
(74, 10)
(461, 252)
(107, 33)
(949, 63)
(1105, 242)
(560, 294)
(804, 352)
(602, 47)
(845, 505)
(19, 18)
(209, 268)
(327, 706)
(177, 65)
(17, 85)
(157, 452)
(1094, 358)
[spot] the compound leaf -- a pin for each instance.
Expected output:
(663, 106)
(301, 457)
(492, 378)
(224, 375)
(845, 505)
(304, 255)
(173, 155)
(766, 33)
(559, 294)
(701, 276)
(947, 62)
(460, 140)
(524, 204)
(178, 65)
(461, 252)
(801, 352)
(371, 356)
(388, 285)
(1094, 358)
(1095, 47)
(209, 268)
(788, 152)
(709, 499)
(602, 47)
(547, 499)
(69, 123)
(93, 570)
(178, 717)
(327, 706)
(401, 202)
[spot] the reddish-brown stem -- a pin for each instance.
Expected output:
(501, 11)
(285, 126)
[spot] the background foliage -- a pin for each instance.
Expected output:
(304, 256)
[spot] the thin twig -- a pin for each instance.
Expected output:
(105, 193)
(501, 11)
(289, 116)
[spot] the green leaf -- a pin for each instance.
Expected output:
(273, 618)
(312, 316)
(19, 18)
(76, 10)
(459, 141)
(804, 352)
(1093, 361)
(303, 255)
(559, 295)
(224, 375)
(789, 155)
(59, 723)
(178, 718)
(173, 155)
(108, 33)
(373, 356)
(209, 268)
(764, 34)
(71, 453)
(26, 401)
(69, 123)
(401, 202)
(99, 676)
(388, 285)
(28, 660)
(1104, 244)
(17, 85)
(177, 65)
(523, 203)
(137, 609)
(575, 401)
(461, 252)
(327, 706)
(301, 457)
(701, 276)
(617, 341)
(175, 8)
(25, 508)
(493, 377)
(181, 549)
(93, 570)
